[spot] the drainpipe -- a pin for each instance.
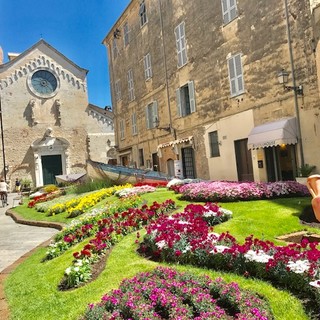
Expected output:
(173, 130)
(2, 142)
(296, 105)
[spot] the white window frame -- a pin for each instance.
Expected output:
(121, 129)
(236, 75)
(229, 10)
(130, 85)
(125, 34)
(143, 13)
(134, 123)
(147, 66)
(117, 90)
(181, 45)
(152, 115)
(181, 104)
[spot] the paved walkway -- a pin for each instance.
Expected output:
(17, 240)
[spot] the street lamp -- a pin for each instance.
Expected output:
(283, 79)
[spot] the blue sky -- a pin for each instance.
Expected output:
(76, 28)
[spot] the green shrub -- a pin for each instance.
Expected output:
(92, 186)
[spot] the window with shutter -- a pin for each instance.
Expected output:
(147, 66)
(114, 48)
(121, 127)
(117, 90)
(229, 10)
(185, 97)
(214, 144)
(142, 13)
(130, 85)
(236, 75)
(152, 115)
(134, 123)
(126, 34)
(181, 44)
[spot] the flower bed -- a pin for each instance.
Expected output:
(110, 231)
(158, 184)
(295, 267)
(44, 197)
(79, 229)
(166, 294)
(218, 191)
(79, 205)
(134, 191)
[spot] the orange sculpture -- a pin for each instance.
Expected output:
(313, 184)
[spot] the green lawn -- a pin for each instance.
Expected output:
(32, 288)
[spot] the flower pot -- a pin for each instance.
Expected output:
(313, 184)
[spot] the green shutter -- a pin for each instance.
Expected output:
(192, 96)
(147, 118)
(178, 97)
(154, 113)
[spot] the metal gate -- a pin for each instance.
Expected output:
(189, 171)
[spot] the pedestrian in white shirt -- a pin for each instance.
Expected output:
(4, 189)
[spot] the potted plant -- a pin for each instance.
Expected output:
(303, 172)
(26, 184)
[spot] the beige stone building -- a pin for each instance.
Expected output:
(195, 88)
(48, 126)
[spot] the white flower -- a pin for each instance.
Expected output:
(226, 211)
(219, 249)
(258, 256)
(186, 249)
(68, 271)
(76, 269)
(315, 283)
(299, 266)
(210, 213)
(161, 244)
(78, 263)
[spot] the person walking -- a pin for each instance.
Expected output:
(4, 190)
(17, 185)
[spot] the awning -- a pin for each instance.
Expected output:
(272, 134)
(175, 142)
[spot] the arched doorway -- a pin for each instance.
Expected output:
(51, 158)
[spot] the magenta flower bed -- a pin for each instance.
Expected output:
(110, 231)
(188, 239)
(218, 191)
(167, 294)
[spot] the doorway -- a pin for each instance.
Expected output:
(243, 160)
(51, 167)
(280, 162)
(155, 162)
(170, 167)
(189, 171)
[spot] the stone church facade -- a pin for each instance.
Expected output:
(46, 117)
